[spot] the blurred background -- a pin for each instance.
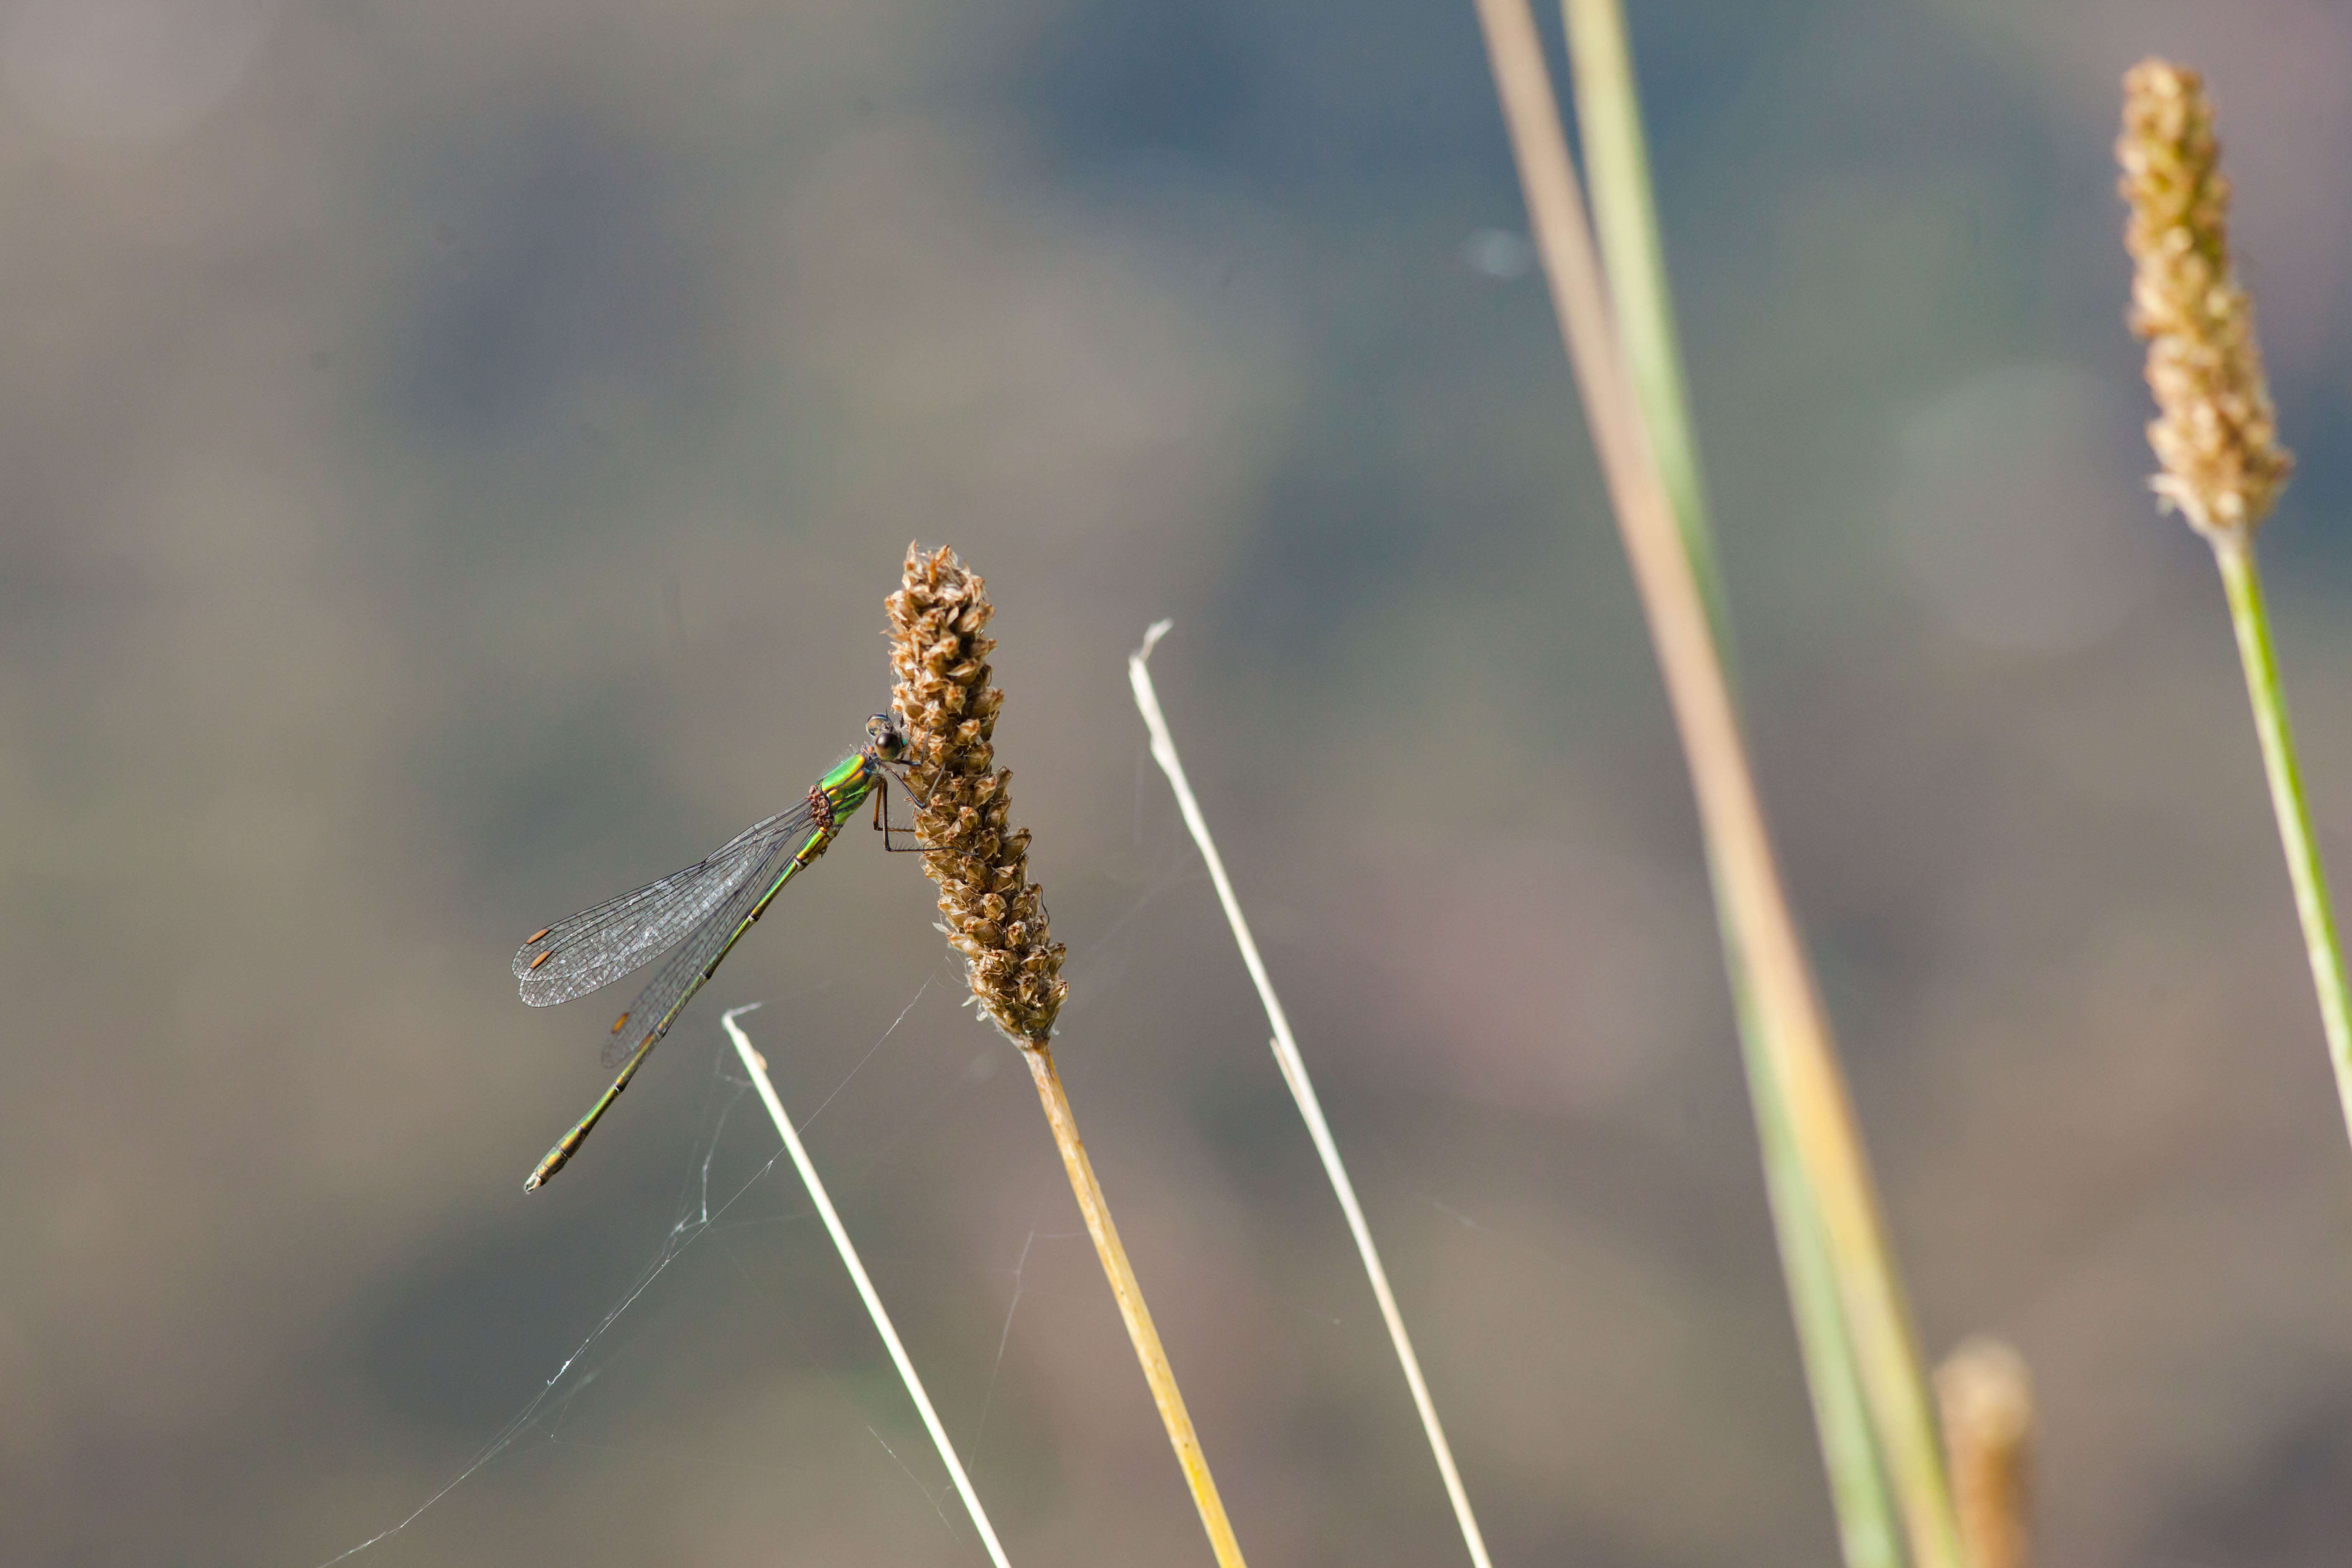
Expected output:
(454, 459)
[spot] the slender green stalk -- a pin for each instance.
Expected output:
(1633, 253)
(2250, 617)
(1616, 156)
(1870, 1531)
(1753, 900)
(1302, 1089)
(2216, 436)
(757, 1066)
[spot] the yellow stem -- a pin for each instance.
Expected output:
(1123, 1285)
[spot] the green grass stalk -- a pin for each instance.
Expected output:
(2249, 618)
(1633, 251)
(1754, 904)
(2216, 438)
(1302, 1089)
(1870, 1531)
(757, 1066)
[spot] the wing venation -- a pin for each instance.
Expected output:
(597, 946)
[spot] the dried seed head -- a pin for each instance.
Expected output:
(2215, 432)
(1988, 1407)
(992, 912)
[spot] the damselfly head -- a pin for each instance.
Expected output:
(882, 735)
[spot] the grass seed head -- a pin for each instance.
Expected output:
(2215, 432)
(1987, 1397)
(991, 912)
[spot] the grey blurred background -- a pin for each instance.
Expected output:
(452, 457)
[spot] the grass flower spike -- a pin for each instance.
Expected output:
(2217, 438)
(995, 916)
(992, 913)
(2215, 432)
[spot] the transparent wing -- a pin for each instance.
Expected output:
(675, 983)
(594, 947)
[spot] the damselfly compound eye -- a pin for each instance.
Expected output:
(887, 739)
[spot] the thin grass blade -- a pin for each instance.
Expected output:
(1753, 902)
(757, 1066)
(1302, 1089)
(1633, 252)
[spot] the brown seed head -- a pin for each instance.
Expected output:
(1988, 1407)
(2215, 432)
(991, 912)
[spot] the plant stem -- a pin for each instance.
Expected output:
(1609, 119)
(2233, 552)
(757, 1066)
(1870, 1532)
(994, 916)
(1123, 1285)
(1302, 1090)
(1730, 816)
(1624, 211)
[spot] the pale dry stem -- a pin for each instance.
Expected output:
(1302, 1089)
(757, 1066)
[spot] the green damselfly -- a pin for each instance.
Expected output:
(703, 911)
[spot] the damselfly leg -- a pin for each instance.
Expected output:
(885, 827)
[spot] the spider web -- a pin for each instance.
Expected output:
(712, 1203)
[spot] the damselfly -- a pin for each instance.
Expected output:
(703, 911)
